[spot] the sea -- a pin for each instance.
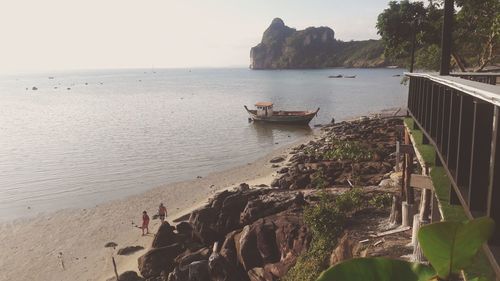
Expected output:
(80, 138)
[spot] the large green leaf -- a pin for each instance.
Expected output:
(450, 246)
(377, 269)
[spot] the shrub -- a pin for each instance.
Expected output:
(348, 150)
(349, 201)
(318, 179)
(381, 200)
(326, 221)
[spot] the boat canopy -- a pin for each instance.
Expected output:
(264, 104)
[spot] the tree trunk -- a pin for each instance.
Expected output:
(487, 55)
(459, 61)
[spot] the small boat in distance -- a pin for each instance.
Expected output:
(350, 76)
(265, 113)
(335, 76)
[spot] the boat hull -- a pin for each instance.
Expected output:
(284, 117)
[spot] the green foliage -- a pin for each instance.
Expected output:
(428, 57)
(377, 269)
(311, 263)
(349, 201)
(476, 32)
(318, 179)
(397, 24)
(348, 150)
(380, 200)
(451, 246)
(326, 221)
(326, 218)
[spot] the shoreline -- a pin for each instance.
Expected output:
(68, 244)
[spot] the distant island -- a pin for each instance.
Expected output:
(283, 47)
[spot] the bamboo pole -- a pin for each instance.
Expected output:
(114, 267)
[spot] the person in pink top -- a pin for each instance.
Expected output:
(145, 223)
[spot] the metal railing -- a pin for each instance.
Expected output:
(460, 118)
(483, 77)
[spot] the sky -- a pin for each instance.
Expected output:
(110, 34)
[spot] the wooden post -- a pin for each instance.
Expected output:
(395, 217)
(403, 176)
(397, 156)
(407, 213)
(425, 205)
(407, 206)
(410, 196)
(114, 267)
(418, 255)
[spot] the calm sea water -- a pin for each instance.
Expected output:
(120, 132)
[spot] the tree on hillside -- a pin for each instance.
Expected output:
(476, 36)
(398, 24)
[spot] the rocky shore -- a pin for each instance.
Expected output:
(259, 233)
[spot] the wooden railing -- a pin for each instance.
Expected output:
(460, 118)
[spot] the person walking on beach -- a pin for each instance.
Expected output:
(145, 223)
(162, 212)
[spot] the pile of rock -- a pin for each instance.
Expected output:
(257, 234)
(377, 136)
(261, 233)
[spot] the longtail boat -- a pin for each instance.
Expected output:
(265, 113)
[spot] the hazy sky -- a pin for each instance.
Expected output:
(71, 34)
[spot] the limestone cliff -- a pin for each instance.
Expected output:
(314, 47)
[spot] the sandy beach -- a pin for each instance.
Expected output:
(69, 244)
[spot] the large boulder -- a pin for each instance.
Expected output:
(222, 270)
(266, 241)
(159, 260)
(257, 274)
(272, 243)
(188, 256)
(228, 249)
(184, 228)
(229, 216)
(203, 221)
(248, 253)
(222, 215)
(164, 236)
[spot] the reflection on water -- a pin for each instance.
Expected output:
(266, 132)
